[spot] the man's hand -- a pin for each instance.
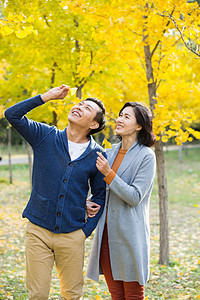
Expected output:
(92, 208)
(56, 93)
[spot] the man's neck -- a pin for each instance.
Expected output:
(76, 135)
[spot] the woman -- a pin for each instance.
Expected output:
(120, 248)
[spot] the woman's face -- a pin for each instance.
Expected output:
(126, 123)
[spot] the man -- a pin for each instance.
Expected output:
(64, 167)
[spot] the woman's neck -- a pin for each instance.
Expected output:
(128, 141)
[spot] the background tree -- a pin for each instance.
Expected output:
(116, 51)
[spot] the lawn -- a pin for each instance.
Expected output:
(178, 281)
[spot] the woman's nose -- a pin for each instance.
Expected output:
(119, 120)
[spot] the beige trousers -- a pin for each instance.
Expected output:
(43, 247)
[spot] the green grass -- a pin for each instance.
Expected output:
(20, 173)
(183, 178)
(15, 149)
(178, 281)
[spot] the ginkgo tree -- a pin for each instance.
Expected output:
(63, 52)
(149, 45)
(117, 51)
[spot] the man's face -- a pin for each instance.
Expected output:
(83, 114)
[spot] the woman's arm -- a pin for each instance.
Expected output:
(132, 194)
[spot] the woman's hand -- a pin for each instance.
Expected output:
(92, 208)
(102, 164)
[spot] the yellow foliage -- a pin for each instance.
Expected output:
(102, 51)
(16, 23)
(106, 144)
(98, 297)
(21, 34)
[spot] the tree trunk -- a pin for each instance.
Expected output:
(9, 155)
(162, 181)
(30, 164)
(163, 204)
(55, 120)
(180, 154)
(79, 92)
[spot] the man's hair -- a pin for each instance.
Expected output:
(100, 116)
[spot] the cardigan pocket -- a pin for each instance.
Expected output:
(77, 214)
(39, 206)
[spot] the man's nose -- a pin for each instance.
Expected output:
(78, 107)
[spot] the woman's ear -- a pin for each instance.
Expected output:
(139, 127)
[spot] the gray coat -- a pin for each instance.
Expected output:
(128, 217)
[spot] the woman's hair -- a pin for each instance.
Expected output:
(144, 118)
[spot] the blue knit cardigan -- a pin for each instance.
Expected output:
(59, 185)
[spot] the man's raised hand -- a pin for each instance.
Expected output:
(56, 93)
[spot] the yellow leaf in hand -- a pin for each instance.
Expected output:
(72, 91)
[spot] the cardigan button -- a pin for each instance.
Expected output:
(58, 213)
(57, 228)
(64, 180)
(61, 196)
(70, 164)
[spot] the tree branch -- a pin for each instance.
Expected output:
(176, 26)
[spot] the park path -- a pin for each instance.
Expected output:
(16, 159)
(23, 158)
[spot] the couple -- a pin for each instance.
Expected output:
(66, 163)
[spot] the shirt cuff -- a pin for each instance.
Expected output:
(109, 178)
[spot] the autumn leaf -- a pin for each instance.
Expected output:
(106, 144)
(21, 34)
(72, 91)
(30, 19)
(98, 297)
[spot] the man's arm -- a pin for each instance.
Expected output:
(32, 131)
(92, 208)
(98, 191)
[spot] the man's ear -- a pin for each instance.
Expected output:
(94, 125)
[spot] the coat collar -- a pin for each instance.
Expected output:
(91, 146)
(129, 157)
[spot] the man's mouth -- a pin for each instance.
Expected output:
(76, 113)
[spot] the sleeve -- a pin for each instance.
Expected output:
(109, 178)
(33, 132)
(98, 191)
(133, 194)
